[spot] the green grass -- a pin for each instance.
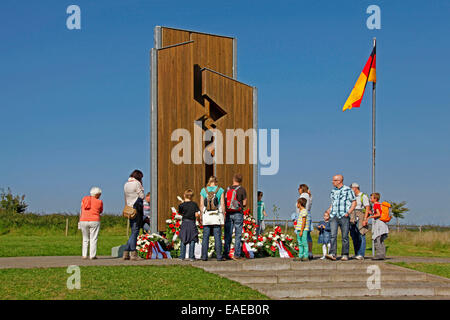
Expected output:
(430, 243)
(59, 245)
(121, 283)
(54, 224)
(440, 269)
(44, 235)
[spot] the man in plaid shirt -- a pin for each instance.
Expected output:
(343, 202)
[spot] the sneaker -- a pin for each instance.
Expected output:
(93, 258)
(310, 256)
(84, 258)
(344, 258)
(331, 257)
(359, 258)
(192, 260)
(323, 258)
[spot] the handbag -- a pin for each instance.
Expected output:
(129, 212)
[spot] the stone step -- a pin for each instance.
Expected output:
(352, 289)
(300, 276)
(289, 264)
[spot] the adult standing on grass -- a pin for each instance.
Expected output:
(359, 222)
(134, 197)
(91, 209)
(236, 200)
(212, 207)
(343, 202)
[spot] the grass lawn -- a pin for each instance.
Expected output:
(43, 235)
(54, 245)
(440, 269)
(404, 243)
(122, 282)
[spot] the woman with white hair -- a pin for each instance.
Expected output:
(91, 209)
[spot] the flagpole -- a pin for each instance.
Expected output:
(373, 139)
(373, 127)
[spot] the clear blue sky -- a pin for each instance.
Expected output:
(75, 104)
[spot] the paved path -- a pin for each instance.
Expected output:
(286, 279)
(64, 261)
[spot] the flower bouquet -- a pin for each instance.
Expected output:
(151, 246)
(278, 244)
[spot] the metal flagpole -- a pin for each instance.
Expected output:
(373, 141)
(373, 127)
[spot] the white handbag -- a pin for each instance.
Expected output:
(210, 218)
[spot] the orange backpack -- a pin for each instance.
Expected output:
(385, 211)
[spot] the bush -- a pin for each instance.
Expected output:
(11, 203)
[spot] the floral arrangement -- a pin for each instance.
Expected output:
(251, 243)
(274, 240)
(268, 244)
(147, 243)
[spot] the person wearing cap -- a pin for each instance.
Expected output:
(358, 221)
(91, 210)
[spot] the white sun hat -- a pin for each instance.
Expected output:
(95, 190)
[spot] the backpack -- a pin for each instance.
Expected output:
(233, 204)
(385, 211)
(211, 202)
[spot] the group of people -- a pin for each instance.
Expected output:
(350, 210)
(218, 208)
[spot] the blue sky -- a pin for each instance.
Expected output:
(75, 103)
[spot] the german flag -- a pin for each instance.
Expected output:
(368, 74)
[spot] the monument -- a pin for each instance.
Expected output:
(195, 91)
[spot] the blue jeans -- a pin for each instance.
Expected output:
(135, 226)
(344, 224)
(233, 221)
(191, 250)
(359, 240)
(217, 232)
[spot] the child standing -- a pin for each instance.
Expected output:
(301, 229)
(146, 220)
(190, 211)
(261, 214)
(324, 235)
(380, 229)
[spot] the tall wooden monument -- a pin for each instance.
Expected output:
(194, 81)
